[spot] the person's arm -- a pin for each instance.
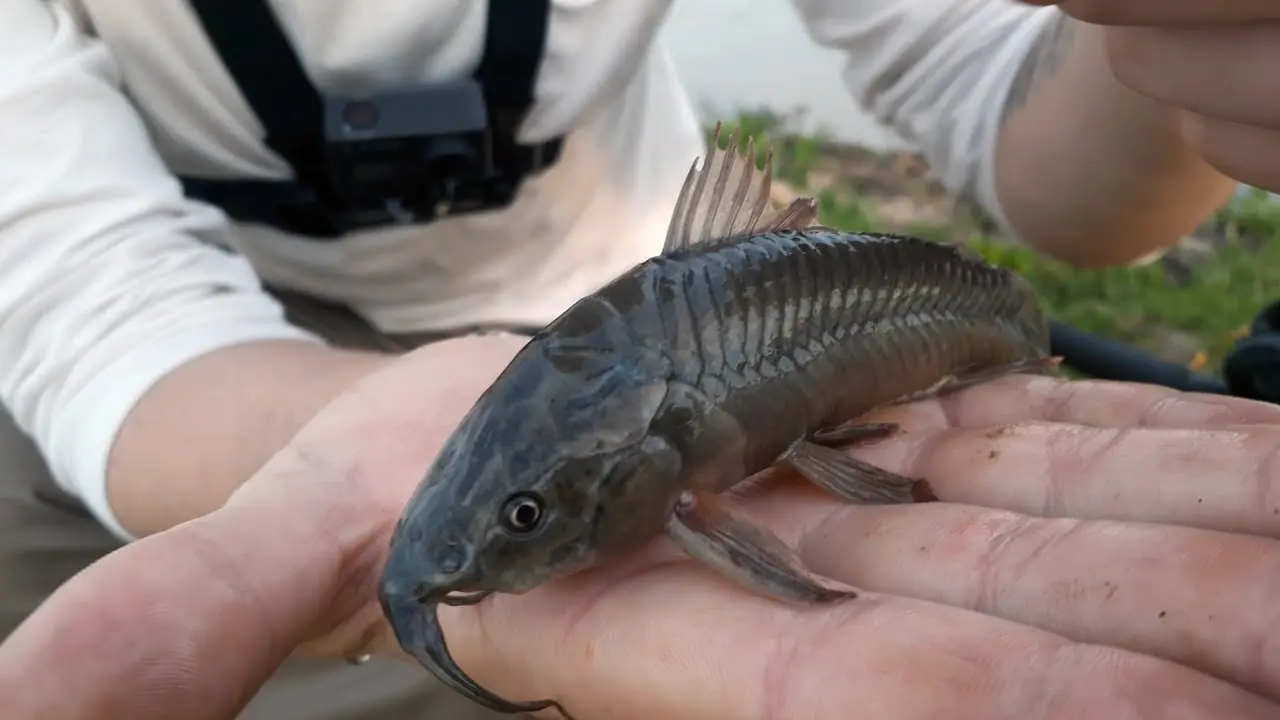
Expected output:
(151, 369)
(1016, 109)
(1088, 170)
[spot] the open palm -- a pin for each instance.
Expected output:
(1099, 548)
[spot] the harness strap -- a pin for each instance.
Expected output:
(259, 57)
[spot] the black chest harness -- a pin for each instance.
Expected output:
(417, 155)
(408, 156)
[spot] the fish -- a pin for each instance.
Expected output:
(754, 339)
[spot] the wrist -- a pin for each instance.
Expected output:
(204, 429)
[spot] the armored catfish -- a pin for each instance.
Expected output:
(748, 342)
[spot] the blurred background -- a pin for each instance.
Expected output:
(732, 74)
(1190, 306)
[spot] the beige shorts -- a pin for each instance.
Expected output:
(46, 537)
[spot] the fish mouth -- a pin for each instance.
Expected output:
(455, 598)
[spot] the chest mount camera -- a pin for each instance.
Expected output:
(404, 156)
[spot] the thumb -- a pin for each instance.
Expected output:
(188, 622)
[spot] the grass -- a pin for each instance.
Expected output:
(1189, 307)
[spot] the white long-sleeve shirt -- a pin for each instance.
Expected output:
(110, 278)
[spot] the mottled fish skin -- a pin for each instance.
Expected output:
(795, 330)
(750, 341)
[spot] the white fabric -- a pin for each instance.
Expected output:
(110, 278)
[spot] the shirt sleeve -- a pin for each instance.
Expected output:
(937, 72)
(108, 280)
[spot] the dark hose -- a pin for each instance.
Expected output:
(1250, 370)
(1113, 360)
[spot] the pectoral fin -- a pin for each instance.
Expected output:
(853, 433)
(708, 530)
(851, 479)
(1048, 366)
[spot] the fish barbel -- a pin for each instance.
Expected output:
(748, 342)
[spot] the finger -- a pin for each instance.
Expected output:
(1097, 403)
(1220, 479)
(678, 642)
(1214, 72)
(185, 623)
(1167, 12)
(1247, 153)
(1200, 598)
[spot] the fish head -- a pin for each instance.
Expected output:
(554, 465)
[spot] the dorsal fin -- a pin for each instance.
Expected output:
(726, 198)
(800, 214)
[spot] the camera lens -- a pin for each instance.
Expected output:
(360, 115)
(450, 156)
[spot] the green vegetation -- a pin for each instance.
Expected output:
(1190, 306)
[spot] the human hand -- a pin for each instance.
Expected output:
(1109, 554)
(996, 606)
(968, 612)
(191, 621)
(1213, 61)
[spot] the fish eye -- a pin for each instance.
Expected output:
(522, 513)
